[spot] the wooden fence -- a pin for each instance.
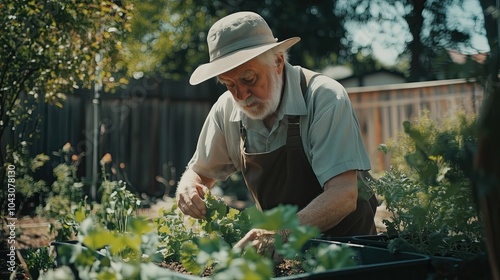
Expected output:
(381, 110)
(151, 128)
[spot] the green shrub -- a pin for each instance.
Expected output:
(428, 189)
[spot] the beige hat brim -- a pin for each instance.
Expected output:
(233, 60)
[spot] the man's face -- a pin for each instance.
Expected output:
(255, 86)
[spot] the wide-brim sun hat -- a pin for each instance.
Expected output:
(234, 40)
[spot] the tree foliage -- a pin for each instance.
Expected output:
(170, 36)
(422, 32)
(49, 48)
(170, 39)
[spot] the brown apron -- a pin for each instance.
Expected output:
(284, 176)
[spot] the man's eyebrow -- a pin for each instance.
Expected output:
(248, 73)
(244, 75)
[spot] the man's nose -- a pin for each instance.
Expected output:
(241, 93)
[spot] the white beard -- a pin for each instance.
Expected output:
(264, 107)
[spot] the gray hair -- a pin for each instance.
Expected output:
(269, 57)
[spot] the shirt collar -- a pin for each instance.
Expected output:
(293, 102)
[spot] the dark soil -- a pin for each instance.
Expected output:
(285, 268)
(288, 268)
(178, 267)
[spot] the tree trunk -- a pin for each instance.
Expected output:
(415, 22)
(487, 184)
(491, 25)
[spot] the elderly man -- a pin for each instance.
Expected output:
(292, 133)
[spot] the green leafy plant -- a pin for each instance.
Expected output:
(38, 260)
(27, 185)
(68, 224)
(67, 189)
(106, 254)
(325, 257)
(222, 222)
(428, 189)
(225, 261)
(68, 207)
(231, 223)
(64, 203)
(172, 231)
(117, 204)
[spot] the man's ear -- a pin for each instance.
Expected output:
(280, 62)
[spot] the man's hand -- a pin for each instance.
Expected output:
(263, 241)
(190, 201)
(190, 193)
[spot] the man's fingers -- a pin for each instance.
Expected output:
(191, 203)
(202, 190)
(193, 210)
(249, 237)
(198, 203)
(255, 237)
